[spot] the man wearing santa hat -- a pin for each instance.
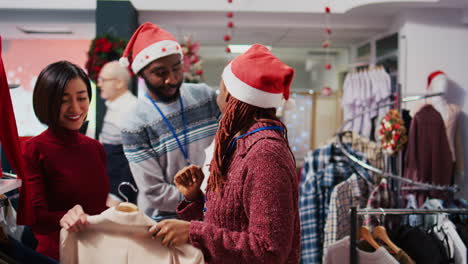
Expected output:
(171, 126)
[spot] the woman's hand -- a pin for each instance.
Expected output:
(172, 232)
(75, 219)
(188, 180)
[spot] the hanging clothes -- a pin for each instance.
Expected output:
(454, 136)
(365, 90)
(371, 150)
(338, 253)
(417, 243)
(126, 232)
(380, 197)
(352, 192)
(428, 157)
(324, 168)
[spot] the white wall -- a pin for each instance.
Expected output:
(433, 40)
(214, 61)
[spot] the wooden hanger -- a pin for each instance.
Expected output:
(365, 234)
(381, 233)
(126, 206)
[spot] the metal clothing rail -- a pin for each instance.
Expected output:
(10, 175)
(354, 212)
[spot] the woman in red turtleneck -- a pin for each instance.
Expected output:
(65, 169)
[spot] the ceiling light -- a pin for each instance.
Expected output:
(242, 48)
(45, 30)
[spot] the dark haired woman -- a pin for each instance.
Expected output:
(251, 209)
(65, 170)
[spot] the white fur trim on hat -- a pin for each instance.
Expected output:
(248, 94)
(155, 51)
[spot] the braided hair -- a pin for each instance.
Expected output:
(236, 117)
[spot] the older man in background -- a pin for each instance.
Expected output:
(113, 83)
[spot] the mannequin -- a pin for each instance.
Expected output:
(438, 82)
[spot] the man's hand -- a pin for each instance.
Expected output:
(188, 181)
(172, 232)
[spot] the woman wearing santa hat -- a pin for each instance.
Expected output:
(250, 212)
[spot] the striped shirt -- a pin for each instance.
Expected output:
(153, 152)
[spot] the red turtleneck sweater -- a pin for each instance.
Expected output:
(63, 168)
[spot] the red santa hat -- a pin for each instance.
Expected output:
(148, 43)
(258, 78)
(432, 76)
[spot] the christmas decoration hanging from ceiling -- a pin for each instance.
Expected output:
(230, 27)
(326, 90)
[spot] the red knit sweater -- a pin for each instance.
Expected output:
(255, 218)
(63, 169)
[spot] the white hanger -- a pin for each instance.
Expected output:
(126, 206)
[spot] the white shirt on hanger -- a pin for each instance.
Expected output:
(116, 237)
(338, 253)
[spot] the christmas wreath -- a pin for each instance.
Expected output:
(392, 132)
(192, 62)
(103, 49)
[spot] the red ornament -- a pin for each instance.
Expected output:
(327, 10)
(328, 66)
(227, 37)
(229, 14)
(163, 49)
(328, 31)
(228, 50)
(199, 72)
(230, 24)
(325, 44)
(230, 1)
(326, 91)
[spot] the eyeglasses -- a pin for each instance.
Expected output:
(101, 79)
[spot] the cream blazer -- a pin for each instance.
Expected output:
(117, 237)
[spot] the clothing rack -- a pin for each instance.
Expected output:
(354, 212)
(380, 172)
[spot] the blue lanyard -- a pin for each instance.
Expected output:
(233, 143)
(182, 149)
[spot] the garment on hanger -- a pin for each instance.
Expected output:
(401, 256)
(417, 243)
(352, 192)
(457, 249)
(8, 220)
(338, 253)
(121, 238)
(428, 157)
(454, 136)
(371, 150)
(380, 197)
(324, 168)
